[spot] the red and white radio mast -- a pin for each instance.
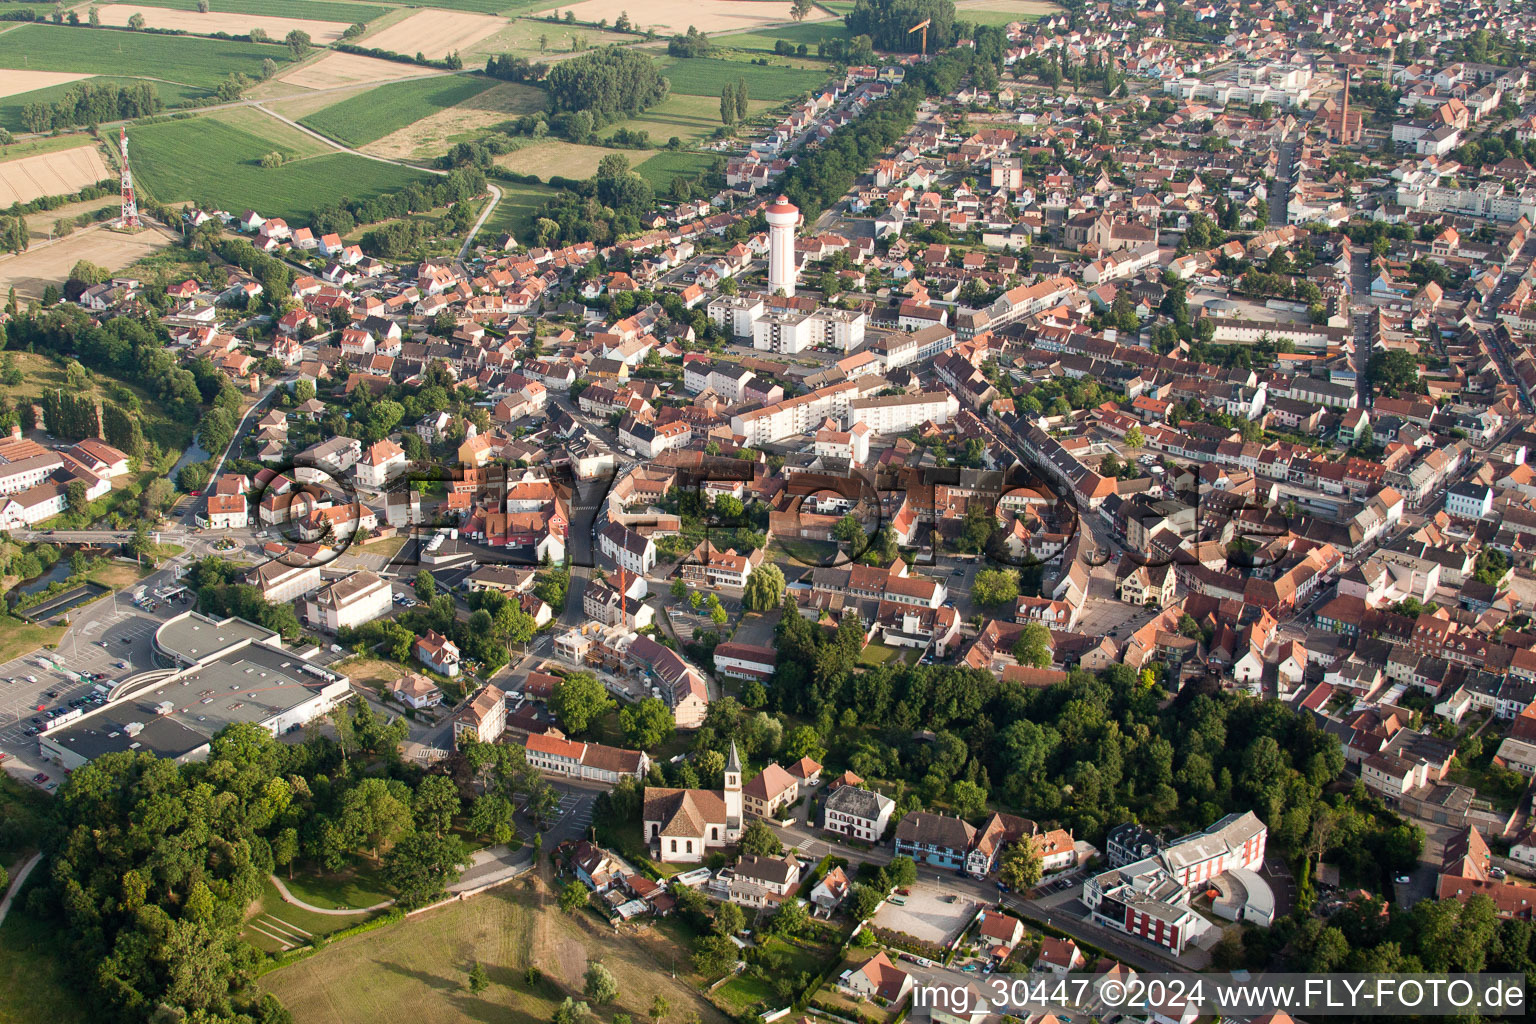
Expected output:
(130, 212)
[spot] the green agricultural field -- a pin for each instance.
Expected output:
(837, 7)
(690, 118)
(808, 33)
(999, 18)
(171, 95)
(1002, 12)
(205, 160)
(189, 60)
(314, 10)
(706, 76)
(378, 112)
(660, 169)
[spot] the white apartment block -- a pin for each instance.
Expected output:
(796, 415)
(895, 414)
(349, 602)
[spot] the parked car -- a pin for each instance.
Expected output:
(39, 778)
(1402, 879)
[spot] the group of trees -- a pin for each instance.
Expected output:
(889, 22)
(1091, 752)
(733, 102)
(124, 347)
(220, 592)
(154, 863)
(15, 236)
(418, 197)
(692, 43)
(92, 103)
(515, 69)
(609, 83)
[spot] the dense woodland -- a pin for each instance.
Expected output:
(609, 83)
(1090, 753)
(888, 24)
(153, 864)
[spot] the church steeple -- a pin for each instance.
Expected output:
(732, 794)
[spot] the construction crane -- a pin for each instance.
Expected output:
(923, 26)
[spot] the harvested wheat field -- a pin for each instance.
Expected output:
(338, 69)
(667, 16)
(14, 82)
(432, 136)
(220, 21)
(555, 157)
(44, 264)
(60, 173)
(434, 33)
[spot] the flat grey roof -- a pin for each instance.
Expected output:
(194, 636)
(253, 684)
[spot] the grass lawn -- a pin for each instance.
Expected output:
(189, 60)
(354, 887)
(517, 209)
(743, 991)
(809, 33)
(376, 113)
(388, 546)
(35, 984)
(117, 574)
(877, 654)
(814, 554)
(207, 161)
(26, 806)
(660, 169)
(171, 94)
(40, 374)
(273, 925)
(706, 76)
(417, 969)
(690, 118)
(313, 10)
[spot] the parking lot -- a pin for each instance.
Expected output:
(111, 639)
(929, 912)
